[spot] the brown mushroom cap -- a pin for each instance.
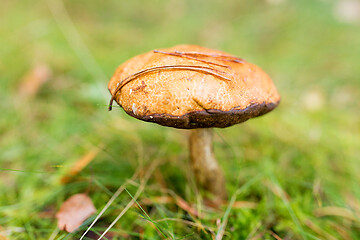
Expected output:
(188, 86)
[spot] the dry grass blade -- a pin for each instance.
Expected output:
(335, 211)
(223, 57)
(33, 80)
(222, 226)
(254, 230)
(277, 190)
(107, 205)
(181, 203)
(134, 198)
(353, 203)
(54, 234)
(80, 165)
(342, 231)
(184, 55)
(317, 192)
(244, 204)
(318, 230)
(74, 211)
(186, 207)
(275, 235)
(190, 223)
(157, 200)
(258, 236)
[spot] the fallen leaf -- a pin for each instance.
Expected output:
(80, 165)
(33, 80)
(74, 211)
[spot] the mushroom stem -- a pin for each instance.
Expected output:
(203, 162)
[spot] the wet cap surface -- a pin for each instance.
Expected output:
(192, 87)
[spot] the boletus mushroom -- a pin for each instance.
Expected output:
(192, 87)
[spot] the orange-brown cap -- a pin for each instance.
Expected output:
(188, 86)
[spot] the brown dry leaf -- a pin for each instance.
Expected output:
(33, 80)
(80, 165)
(335, 211)
(74, 211)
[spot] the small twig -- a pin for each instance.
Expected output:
(222, 56)
(184, 55)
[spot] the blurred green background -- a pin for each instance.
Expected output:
(298, 166)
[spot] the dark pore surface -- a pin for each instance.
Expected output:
(211, 118)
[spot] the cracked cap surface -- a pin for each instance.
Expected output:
(188, 86)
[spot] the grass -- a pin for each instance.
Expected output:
(292, 163)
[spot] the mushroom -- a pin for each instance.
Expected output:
(191, 87)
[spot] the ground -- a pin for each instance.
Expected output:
(291, 174)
